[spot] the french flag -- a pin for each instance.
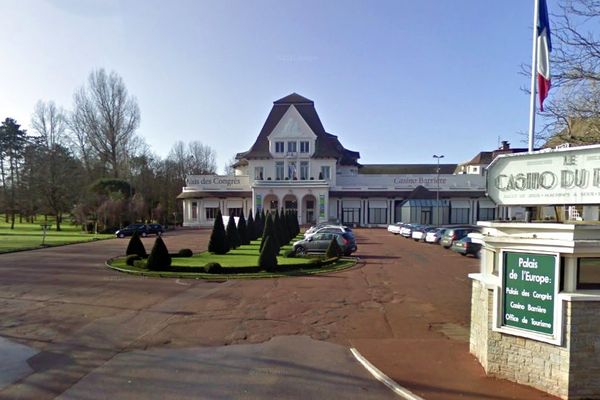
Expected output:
(544, 47)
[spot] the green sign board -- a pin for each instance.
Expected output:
(258, 202)
(321, 206)
(529, 291)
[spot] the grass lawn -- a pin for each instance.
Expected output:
(28, 236)
(244, 256)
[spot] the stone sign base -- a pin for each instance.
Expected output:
(570, 370)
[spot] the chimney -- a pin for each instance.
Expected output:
(504, 145)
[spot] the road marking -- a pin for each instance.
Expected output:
(180, 282)
(380, 376)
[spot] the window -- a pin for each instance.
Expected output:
(234, 212)
(304, 147)
(274, 205)
(459, 216)
(279, 170)
(350, 216)
(325, 172)
(258, 173)
(278, 147)
(486, 214)
(304, 170)
(292, 170)
(292, 147)
(291, 205)
(588, 273)
(194, 210)
(377, 215)
(211, 212)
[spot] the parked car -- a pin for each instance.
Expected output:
(142, 229)
(406, 230)
(329, 229)
(453, 234)
(466, 246)
(155, 229)
(419, 233)
(395, 228)
(318, 226)
(434, 235)
(319, 242)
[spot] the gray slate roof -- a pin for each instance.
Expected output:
(327, 145)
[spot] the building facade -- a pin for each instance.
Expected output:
(294, 164)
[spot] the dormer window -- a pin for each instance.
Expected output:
(279, 147)
(291, 147)
(304, 147)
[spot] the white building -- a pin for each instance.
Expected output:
(295, 164)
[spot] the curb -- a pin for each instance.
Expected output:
(383, 378)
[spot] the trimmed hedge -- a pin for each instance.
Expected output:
(185, 253)
(334, 249)
(135, 246)
(218, 243)
(159, 258)
(131, 259)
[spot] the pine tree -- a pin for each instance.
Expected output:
(268, 255)
(333, 250)
(218, 243)
(287, 226)
(263, 220)
(232, 233)
(278, 230)
(269, 231)
(136, 246)
(159, 258)
(250, 228)
(296, 224)
(243, 230)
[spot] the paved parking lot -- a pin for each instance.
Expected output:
(405, 307)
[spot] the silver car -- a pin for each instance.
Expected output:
(319, 242)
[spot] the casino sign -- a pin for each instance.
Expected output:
(546, 177)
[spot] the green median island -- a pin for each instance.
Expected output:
(234, 252)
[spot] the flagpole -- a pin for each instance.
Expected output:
(533, 75)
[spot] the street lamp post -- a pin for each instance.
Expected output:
(437, 193)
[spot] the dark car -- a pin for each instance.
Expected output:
(466, 246)
(453, 234)
(143, 229)
(319, 242)
(155, 229)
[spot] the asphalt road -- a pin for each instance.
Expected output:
(89, 332)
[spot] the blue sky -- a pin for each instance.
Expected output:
(397, 81)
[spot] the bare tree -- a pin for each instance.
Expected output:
(572, 113)
(51, 162)
(201, 159)
(49, 122)
(228, 168)
(106, 116)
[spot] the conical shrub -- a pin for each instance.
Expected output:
(232, 233)
(268, 256)
(218, 243)
(159, 258)
(270, 232)
(243, 229)
(333, 250)
(136, 246)
(250, 228)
